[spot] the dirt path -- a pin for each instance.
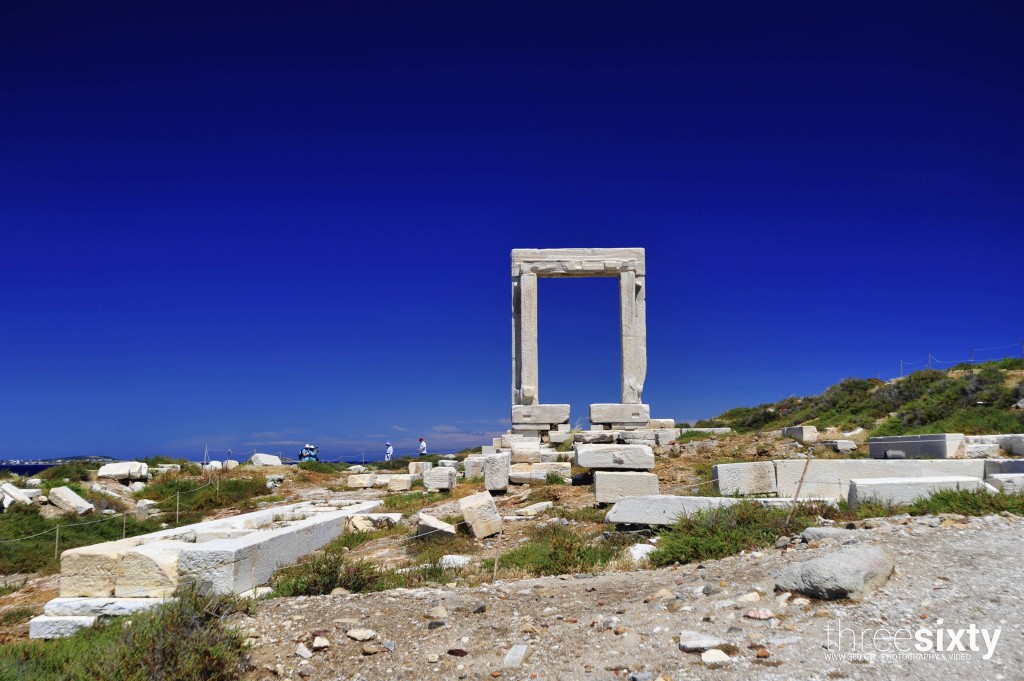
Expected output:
(612, 626)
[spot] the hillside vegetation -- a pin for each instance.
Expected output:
(971, 399)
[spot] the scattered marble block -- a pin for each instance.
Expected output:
(630, 457)
(612, 486)
(481, 514)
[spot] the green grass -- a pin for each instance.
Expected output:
(402, 462)
(559, 550)
(974, 399)
(967, 502)
(323, 573)
(184, 640)
(36, 553)
(197, 497)
(553, 478)
(719, 532)
(16, 616)
(587, 514)
(75, 471)
(412, 502)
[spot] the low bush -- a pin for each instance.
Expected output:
(76, 471)
(34, 553)
(411, 502)
(16, 615)
(196, 496)
(719, 532)
(967, 502)
(559, 550)
(587, 514)
(186, 639)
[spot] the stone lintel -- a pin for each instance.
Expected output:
(578, 262)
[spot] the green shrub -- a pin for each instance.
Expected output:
(197, 496)
(184, 640)
(559, 550)
(719, 532)
(35, 553)
(74, 471)
(967, 502)
(16, 615)
(412, 502)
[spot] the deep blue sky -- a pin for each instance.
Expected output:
(253, 225)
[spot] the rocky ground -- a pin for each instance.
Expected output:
(949, 574)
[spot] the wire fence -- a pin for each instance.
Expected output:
(975, 356)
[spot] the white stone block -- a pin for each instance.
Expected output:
(639, 414)
(400, 483)
(666, 436)
(440, 478)
(612, 486)
(656, 424)
(537, 473)
(429, 526)
(841, 446)
(598, 437)
(99, 607)
(542, 414)
(534, 509)
(361, 481)
(661, 509)
(481, 514)
(448, 463)
(46, 627)
(149, 571)
(213, 466)
(1010, 483)
(230, 463)
(15, 493)
(557, 438)
(756, 477)
(473, 467)
(983, 451)
(419, 467)
(496, 471)
(935, 446)
(65, 499)
(906, 490)
(821, 480)
(628, 457)
(801, 433)
(487, 449)
(265, 460)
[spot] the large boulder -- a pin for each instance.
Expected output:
(65, 499)
(265, 460)
(847, 573)
(124, 470)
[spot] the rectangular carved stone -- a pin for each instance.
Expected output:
(481, 514)
(615, 456)
(611, 486)
(440, 478)
(639, 414)
(496, 471)
(523, 414)
(577, 262)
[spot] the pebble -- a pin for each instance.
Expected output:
(714, 657)
(361, 634)
(481, 607)
(436, 624)
(749, 598)
(759, 614)
(432, 658)
(321, 643)
(697, 641)
(302, 651)
(516, 656)
(438, 613)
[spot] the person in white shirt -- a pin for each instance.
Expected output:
(423, 446)
(389, 451)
